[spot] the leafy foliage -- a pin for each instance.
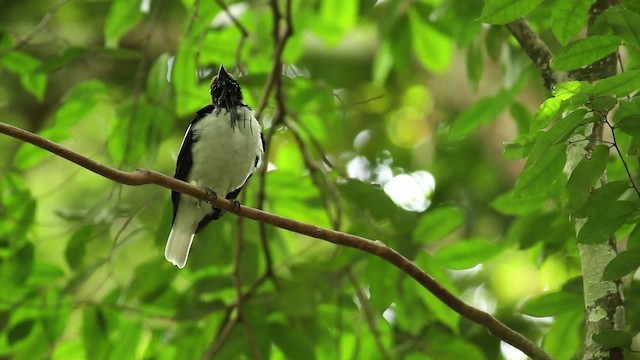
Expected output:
(390, 118)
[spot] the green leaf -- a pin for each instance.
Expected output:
(624, 23)
(630, 124)
(78, 104)
(565, 336)
(600, 227)
(437, 223)
(158, 86)
(337, 17)
(21, 266)
(20, 331)
(94, 332)
(624, 263)
(548, 228)
(368, 198)
(124, 345)
(522, 116)
(614, 338)
(538, 176)
(547, 158)
(76, 247)
(293, 344)
(483, 111)
(585, 175)
(568, 18)
(123, 16)
(602, 104)
(188, 99)
(130, 131)
(570, 89)
(467, 253)
(500, 12)
(25, 65)
(433, 48)
(382, 63)
(151, 279)
(474, 62)
(601, 198)
(619, 85)
(68, 56)
(585, 52)
(552, 304)
(520, 147)
(547, 112)
(442, 312)
(634, 238)
(565, 127)
(5, 315)
(507, 205)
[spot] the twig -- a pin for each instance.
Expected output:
(537, 51)
(369, 314)
(624, 162)
(237, 274)
(275, 76)
(229, 322)
(244, 34)
(319, 177)
(194, 15)
(377, 248)
(262, 183)
(139, 79)
(39, 28)
(274, 80)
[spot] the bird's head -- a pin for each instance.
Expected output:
(225, 91)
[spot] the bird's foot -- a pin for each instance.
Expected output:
(236, 205)
(211, 195)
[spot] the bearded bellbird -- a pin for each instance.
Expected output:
(220, 150)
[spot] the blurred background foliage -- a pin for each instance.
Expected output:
(395, 113)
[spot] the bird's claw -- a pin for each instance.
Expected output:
(236, 205)
(211, 195)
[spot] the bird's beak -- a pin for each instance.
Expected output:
(223, 74)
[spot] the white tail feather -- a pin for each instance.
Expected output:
(178, 245)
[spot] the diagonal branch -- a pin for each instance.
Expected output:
(374, 247)
(537, 50)
(38, 29)
(369, 314)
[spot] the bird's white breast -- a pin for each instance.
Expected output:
(224, 156)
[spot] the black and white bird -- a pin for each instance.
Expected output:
(221, 149)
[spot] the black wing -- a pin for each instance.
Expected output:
(185, 160)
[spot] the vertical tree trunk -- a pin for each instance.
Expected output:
(604, 308)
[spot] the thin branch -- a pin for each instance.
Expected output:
(319, 177)
(237, 275)
(229, 322)
(274, 80)
(262, 183)
(377, 248)
(537, 50)
(624, 162)
(280, 39)
(244, 34)
(369, 314)
(194, 15)
(38, 29)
